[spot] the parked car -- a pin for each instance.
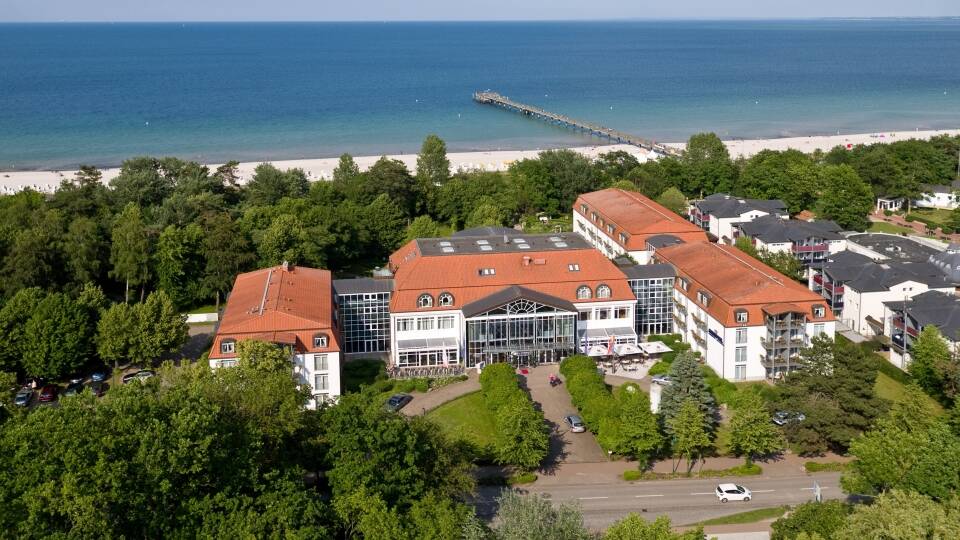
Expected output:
(398, 401)
(76, 378)
(98, 388)
(99, 375)
(575, 422)
(732, 492)
(782, 418)
(24, 397)
(48, 393)
(662, 380)
(73, 389)
(141, 375)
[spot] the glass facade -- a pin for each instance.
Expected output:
(654, 311)
(365, 322)
(521, 332)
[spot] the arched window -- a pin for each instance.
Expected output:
(603, 291)
(445, 299)
(583, 292)
(425, 301)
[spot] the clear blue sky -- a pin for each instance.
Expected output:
(383, 10)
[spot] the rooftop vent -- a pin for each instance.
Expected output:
(523, 246)
(445, 244)
(483, 242)
(556, 239)
(560, 244)
(485, 247)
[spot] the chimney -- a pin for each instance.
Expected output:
(526, 260)
(506, 239)
(287, 267)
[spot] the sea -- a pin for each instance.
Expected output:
(75, 94)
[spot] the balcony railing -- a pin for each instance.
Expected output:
(698, 321)
(804, 249)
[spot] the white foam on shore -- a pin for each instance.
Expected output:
(322, 169)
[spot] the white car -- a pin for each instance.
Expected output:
(662, 380)
(575, 423)
(732, 492)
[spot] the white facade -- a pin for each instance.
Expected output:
(938, 199)
(723, 228)
(599, 321)
(320, 372)
(604, 242)
(858, 306)
(434, 338)
(833, 246)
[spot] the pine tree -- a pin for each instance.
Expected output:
(688, 384)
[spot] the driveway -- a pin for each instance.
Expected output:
(554, 402)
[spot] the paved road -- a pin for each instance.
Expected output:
(684, 501)
(554, 401)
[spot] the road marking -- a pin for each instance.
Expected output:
(704, 493)
(640, 496)
(764, 490)
(811, 489)
(590, 498)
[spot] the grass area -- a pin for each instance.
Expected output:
(813, 466)
(938, 215)
(466, 418)
(888, 388)
(750, 516)
(740, 470)
(209, 308)
(882, 227)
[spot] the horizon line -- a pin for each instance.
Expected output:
(407, 21)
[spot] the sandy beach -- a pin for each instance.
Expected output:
(322, 169)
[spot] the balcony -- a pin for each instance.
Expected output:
(700, 339)
(785, 325)
(898, 323)
(680, 321)
(771, 344)
(807, 249)
(699, 322)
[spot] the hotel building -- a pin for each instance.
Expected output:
(719, 213)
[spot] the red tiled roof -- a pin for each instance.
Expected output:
(735, 280)
(281, 306)
(638, 216)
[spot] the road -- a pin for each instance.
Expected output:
(683, 501)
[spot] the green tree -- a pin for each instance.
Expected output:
(13, 321)
(636, 527)
(422, 227)
(263, 356)
(269, 184)
(674, 200)
(640, 430)
(141, 182)
(521, 434)
(706, 165)
(751, 432)
(85, 248)
(161, 328)
(813, 518)
(902, 515)
(390, 177)
(57, 337)
(438, 518)
(846, 198)
(130, 250)
(625, 185)
(486, 213)
(284, 240)
(346, 171)
(688, 384)
(568, 174)
(932, 366)
(34, 255)
(116, 334)
(690, 438)
(527, 517)
(226, 251)
(613, 167)
(387, 223)
(433, 167)
(178, 262)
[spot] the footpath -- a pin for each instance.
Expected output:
(424, 402)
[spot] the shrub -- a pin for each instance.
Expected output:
(521, 437)
(723, 390)
(888, 213)
(818, 520)
(522, 478)
(660, 368)
(630, 476)
(362, 372)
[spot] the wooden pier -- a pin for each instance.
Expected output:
(493, 98)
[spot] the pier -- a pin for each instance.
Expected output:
(493, 98)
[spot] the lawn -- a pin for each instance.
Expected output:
(887, 388)
(209, 308)
(883, 227)
(751, 516)
(466, 418)
(938, 215)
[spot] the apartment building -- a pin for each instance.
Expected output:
(904, 320)
(719, 213)
(619, 222)
(291, 307)
(748, 321)
(809, 241)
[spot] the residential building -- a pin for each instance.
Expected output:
(291, 307)
(524, 299)
(948, 262)
(939, 196)
(904, 320)
(892, 247)
(619, 222)
(747, 320)
(363, 310)
(809, 241)
(652, 285)
(855, 286)
(719, 213)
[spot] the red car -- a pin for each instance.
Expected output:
(48, 393)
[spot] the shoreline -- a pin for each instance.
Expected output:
(493, 160)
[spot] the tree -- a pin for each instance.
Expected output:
(84, 246)
(433, 167)
(635, 527)
(521, 435)
(269, 184)
(226, 251)
(422, 227)
(141, 182)
(639, 428)
(568, 174)
(116, 334)
(614, 167)
(178, 262)
(706, 165)
(438, 518)
(57, 338)
(902, 515)
(751, 432)
(31, 260)
(932, 366)
(390, 177)
(688, 384)
(527, 517)
(387, 223)
(813, 518)
(263, 356)
(674, 200)
(13, 321)
(346, 171)
(161, 328)
(846, 198)
(690, 437)
(284, 240)
(130, 250)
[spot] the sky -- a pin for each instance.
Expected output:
(401, 10)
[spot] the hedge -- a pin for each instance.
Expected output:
(518, 441)
(590, 395)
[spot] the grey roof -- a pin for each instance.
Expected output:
(773, 230)
(515, 292)
(486, 231)
(948, 262)
(862, 274)
(941, 188)
(501, 243)
(932, 307)
(722, 205)
(649, 271)
(362, 285)
(663, 240)
(894, 247)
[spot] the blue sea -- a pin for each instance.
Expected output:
(99, 93)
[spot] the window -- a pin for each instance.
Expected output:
(740, 372)
(622, 313)
(487, 272)
(610, 229)
(740, 316)
(585, 315)
(425, 323)
(583, 292)
(321, 382)
(740, 355)
(818, 329)
(445, 322)
(405, 324)
(819, 311)
(623, 238)
(583, 208)
(603, 291)
(320, 362)
(741, 336)
(703, 298)
(320, 341)
(603, 314)
(228, 347)
(684, 284)
(594, 216)
(574, 267)
(445, 299)
(425, 301)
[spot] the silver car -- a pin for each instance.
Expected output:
(575, 422)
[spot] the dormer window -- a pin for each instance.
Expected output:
(610, 229)
(320, 341)
(228, 347)
(684, 284)
(740, 315)
(583, 208)
(594, 216)
(487, 272)
(573, 267)
(445, 299)
(424, 301)
(703, 298)
(584, 293)
(603, 291)
(623, 238)
(819, 311)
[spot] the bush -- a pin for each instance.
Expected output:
(522, 478)
(660, 368)
(821, 519)
(630, 476)
(362, 372)
(521, 434)
(723, 390)
(888, 213)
